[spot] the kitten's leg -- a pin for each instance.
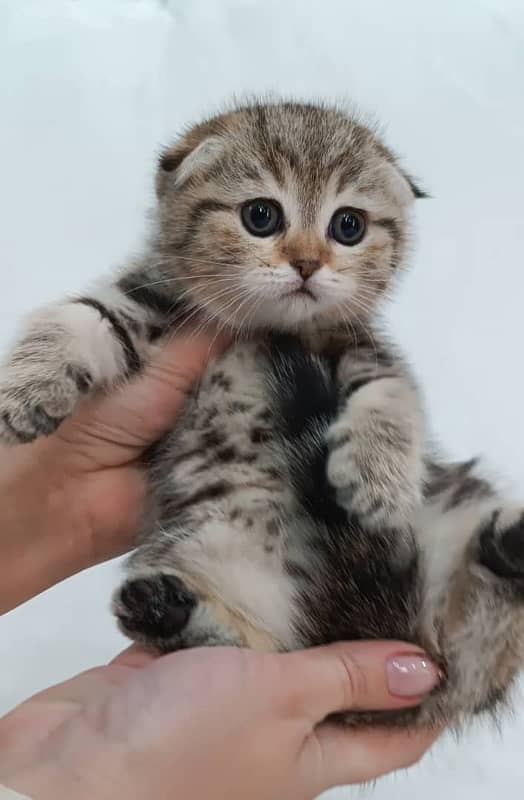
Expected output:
(70, 349)
(473, 605)
(471, 618)
(376, 443)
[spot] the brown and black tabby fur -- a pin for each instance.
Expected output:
(296, 501)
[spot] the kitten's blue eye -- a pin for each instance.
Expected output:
(262, 217)
(348, 226)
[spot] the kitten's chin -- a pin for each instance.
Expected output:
(288, 313)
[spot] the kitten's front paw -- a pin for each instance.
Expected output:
(380, 483)
(36, 397)
(154, 609)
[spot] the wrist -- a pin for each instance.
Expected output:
(42, 533)
(50, 781)
(7, 793)
(58, 764)
(39, 783)
(21, 768)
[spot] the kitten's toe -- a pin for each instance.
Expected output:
(38, 406)
(154, 607)
(370, 487)
(21, 422)
(501, 544)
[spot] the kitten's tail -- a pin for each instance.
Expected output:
(305, 399)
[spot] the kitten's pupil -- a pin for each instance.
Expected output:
(261, 217)
(348, 226)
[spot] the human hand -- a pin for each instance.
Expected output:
(75, 498)
(216, 723)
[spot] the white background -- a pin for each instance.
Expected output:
(91, 88)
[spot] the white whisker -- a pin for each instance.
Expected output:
(198, 309)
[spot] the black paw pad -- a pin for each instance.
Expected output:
(158, 606)
(502, 550)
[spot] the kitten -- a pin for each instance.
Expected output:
(296, 502)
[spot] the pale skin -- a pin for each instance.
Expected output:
(143, 726)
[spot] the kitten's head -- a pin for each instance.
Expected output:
(276, 215)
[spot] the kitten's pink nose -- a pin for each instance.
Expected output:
(306, 266)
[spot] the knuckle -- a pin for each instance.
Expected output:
(354, 686)
(181, 377)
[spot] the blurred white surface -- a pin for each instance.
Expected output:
(91, 88)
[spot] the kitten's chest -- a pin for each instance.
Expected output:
(222, 458)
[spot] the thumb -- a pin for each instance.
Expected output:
(357, 676)
(116, 428)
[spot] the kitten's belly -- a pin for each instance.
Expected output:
(227, 500)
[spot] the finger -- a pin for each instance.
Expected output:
(134, 656)
(340, 757)
(356, 676)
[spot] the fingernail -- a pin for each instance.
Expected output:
(411, 675)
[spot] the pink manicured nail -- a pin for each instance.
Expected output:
(411, 675)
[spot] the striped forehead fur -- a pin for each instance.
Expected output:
(309, 159)
(311, 140)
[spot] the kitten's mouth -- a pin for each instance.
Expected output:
(301, 291)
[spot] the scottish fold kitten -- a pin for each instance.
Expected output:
(297, 501)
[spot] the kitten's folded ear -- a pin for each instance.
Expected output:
(418, 193)
(191, 154)
(402, 185)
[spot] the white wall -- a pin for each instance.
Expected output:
(89, 90)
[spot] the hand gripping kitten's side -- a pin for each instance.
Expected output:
(296, 501)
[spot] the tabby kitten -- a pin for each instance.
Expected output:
(296, 502)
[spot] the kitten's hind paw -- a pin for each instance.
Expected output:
(153, 609)
(159, 611)
(501, 544)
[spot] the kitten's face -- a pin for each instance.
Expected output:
(276, 216)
